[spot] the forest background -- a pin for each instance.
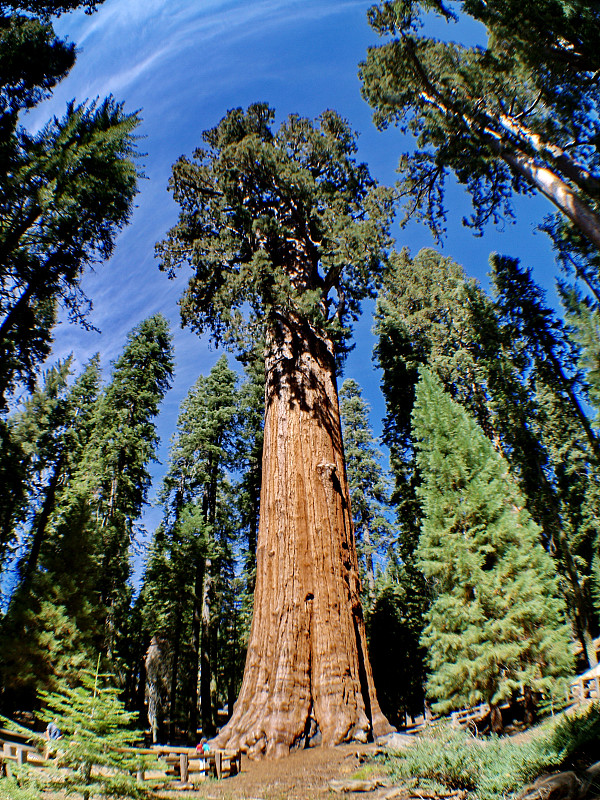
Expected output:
(183, 67)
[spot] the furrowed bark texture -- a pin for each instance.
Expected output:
(307, 676)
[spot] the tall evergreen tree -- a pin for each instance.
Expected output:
(69, 191)
(430, 314)
(38, 638)
(285, 232)
(77, 569)
(252, 414)
(65, 192)
(550, 361)
(368, 485)
(496, 624)
(193, 541)
(114, 477)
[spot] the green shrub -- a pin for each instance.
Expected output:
(19, 785)
(491, 769)
(576, 737)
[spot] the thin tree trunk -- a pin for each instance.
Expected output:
(174, 674)
(41, 521)
(307, 669)
(530, 708)
(196, 638)
(206, 706)
(370, 567)
(496, 723)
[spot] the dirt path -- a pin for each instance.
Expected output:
(304, 775)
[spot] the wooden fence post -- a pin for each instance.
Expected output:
(183, 767)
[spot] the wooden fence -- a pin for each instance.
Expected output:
(180, 762)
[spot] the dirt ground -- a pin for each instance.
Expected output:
(304, 775)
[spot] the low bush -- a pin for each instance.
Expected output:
(494, 768)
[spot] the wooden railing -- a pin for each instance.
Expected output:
(585, 689)
(461, 719)
(180, 761)
(183, 760)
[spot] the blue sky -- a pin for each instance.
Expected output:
(183, 64)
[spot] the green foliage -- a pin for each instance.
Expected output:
(368, 486)
(512, 366)
(69, 191)
(518, 115)
(496, 624)
(20, 785)
(275, 224)
(394, 628)
(577, 736)
(94, 729)
(249, 459)
(443, 758)
(189, 593)
(86, 461)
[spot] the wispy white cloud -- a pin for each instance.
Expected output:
(151, 32)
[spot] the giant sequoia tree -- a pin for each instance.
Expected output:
(284, 233)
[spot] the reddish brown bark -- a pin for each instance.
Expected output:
(307, 669)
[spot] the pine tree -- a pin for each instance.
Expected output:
(114, 479)
(193, 543)
(368, 485)
(252, 414)
(515, 116)
(77, 568)
(491, 358)
(65, 192)
(496, 624)
(550, 362)
(395, 626)
(95, 730)
(39, 640)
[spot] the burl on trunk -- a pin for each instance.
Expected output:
(307, 677)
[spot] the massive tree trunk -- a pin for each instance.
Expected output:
(307, 677)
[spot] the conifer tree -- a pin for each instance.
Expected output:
(193, 542)
(496, 624)
(113, 480)
(39, 640)
(285, 235)
(550, 362)
(430, 314)
(78, 574)
(96, 732)
(514, 116)
(368, 484)
(65, 191)
(252, 413)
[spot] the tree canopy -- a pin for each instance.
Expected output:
(275, 222)
(519, 115)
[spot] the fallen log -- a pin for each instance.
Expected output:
(403, 793)
(355, 785)
(563, 785)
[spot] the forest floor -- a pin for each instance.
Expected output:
(304, 775)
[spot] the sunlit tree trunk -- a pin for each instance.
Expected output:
(307, 676)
